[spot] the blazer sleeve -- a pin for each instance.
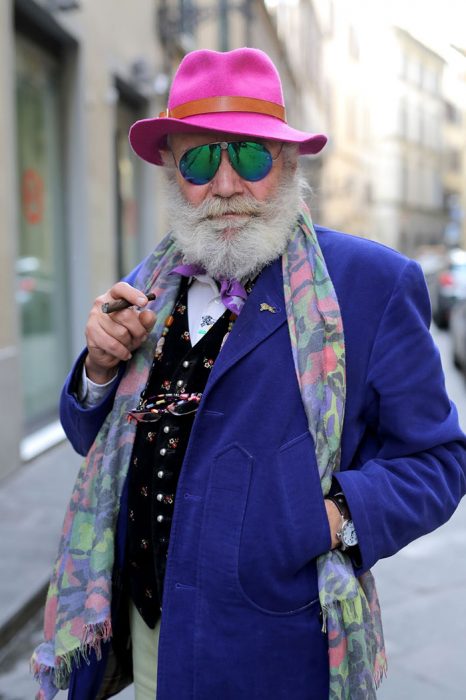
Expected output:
(81, 425)
(416, 479)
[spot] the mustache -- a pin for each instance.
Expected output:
(240, 204)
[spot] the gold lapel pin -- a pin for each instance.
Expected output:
(267, 307)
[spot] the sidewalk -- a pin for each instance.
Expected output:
(32, 508)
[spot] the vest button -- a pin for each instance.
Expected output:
(160, 518)
(160, 474)
(166, 429)
(179, 383)
(186, 364)
(160, 496)
(163, 452)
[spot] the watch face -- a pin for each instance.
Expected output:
(348, 534)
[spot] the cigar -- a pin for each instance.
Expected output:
(111, 306)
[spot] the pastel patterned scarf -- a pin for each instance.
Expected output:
(77, 614)
(350, 605)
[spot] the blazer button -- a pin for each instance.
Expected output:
(163, 452)
(166, 429)
(162, 474)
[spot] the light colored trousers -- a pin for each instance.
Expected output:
(145, 653)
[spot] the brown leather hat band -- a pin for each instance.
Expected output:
(226, 103)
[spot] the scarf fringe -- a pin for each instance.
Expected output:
(93, 637)
(380, 671)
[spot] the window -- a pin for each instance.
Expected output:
(353, 43)
(452, 113)
(351, 118)
(454, 160)
(404, 180)
(403, 118)
(41, 263)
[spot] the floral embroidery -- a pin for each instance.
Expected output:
(206, 321)
(159, 348)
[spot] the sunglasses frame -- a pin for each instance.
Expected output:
(224, 146)
(155, 407)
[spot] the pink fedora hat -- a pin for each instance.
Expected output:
(238, 92)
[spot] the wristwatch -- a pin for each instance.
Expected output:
(347, 532)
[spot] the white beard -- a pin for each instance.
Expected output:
(240, 253)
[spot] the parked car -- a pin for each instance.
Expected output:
(448, 286)
(458, 334)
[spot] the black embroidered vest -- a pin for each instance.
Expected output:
(158, 453)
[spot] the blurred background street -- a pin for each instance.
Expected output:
(386, 82)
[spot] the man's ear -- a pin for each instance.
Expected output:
(290, 157)
(167, 154)
(167, 157)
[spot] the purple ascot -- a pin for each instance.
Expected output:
(232, 292)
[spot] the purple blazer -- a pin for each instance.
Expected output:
(240, 608)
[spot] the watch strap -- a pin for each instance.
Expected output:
(340, 501)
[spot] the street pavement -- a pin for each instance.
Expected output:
(422, 589)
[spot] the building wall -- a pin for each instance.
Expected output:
(346, 172)
(11, 409)
(416, 143)
(386, 169)
(100, 45)
(454, 156)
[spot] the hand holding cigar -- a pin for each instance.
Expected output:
(111, 306)
(111, 337)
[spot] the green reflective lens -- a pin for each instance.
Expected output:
(251, 160)
(199, 165)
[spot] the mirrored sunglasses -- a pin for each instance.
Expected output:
(251, 160)
(157, 406)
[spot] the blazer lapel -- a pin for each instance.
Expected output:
(263, 312)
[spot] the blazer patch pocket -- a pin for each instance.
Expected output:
(284, 528)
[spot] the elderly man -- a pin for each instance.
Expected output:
(257, 436)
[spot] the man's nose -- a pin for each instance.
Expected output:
(226, 182)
